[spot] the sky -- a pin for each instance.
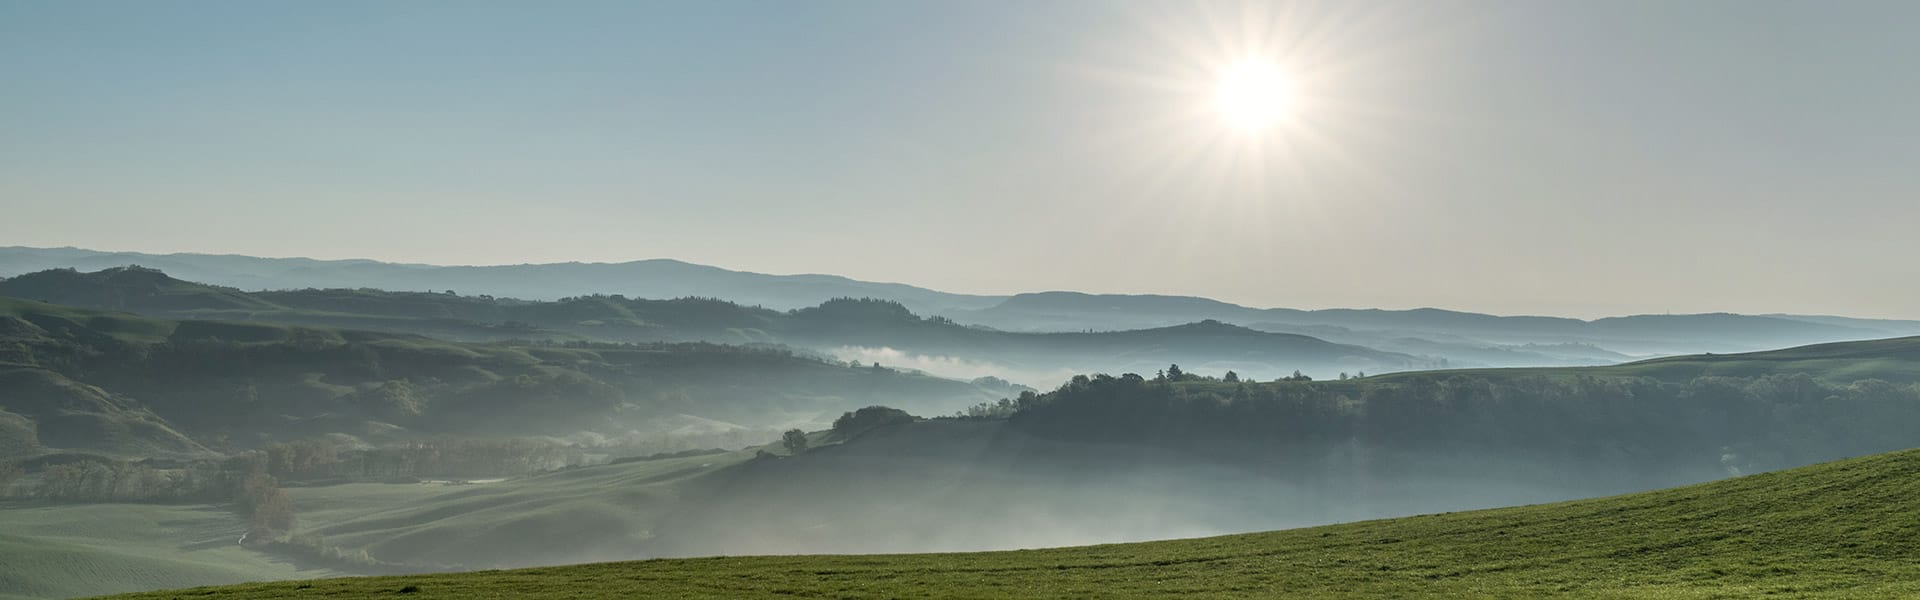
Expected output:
(1565, 158)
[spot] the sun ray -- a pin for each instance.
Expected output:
(1265, 119)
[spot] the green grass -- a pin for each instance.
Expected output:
(66, 551)
(1837, 530)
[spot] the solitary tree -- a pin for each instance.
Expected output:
(1175, 374)
(1231, 377)
(795, 441)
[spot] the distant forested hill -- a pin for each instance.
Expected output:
(1102, 458)
(868, 330)
(659, 278)
(1459, 338)
(1119, 458)
(1435, 328)
(134, 386)
(1114, 458)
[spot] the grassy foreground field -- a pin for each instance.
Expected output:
(1836, 530)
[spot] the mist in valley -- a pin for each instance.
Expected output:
(944, 487)
(1114, 459)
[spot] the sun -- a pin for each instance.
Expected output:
(1253, 95)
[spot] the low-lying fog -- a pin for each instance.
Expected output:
(981, 485)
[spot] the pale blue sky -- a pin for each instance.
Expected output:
(1516, 157)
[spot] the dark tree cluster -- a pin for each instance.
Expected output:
(794, 440)
(1727, 423)
(869, 418)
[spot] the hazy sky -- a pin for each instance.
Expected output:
(1515, 157)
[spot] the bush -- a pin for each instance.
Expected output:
(869, 418)
(795, 441)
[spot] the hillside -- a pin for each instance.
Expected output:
(1638, 334)
(1114, 459)
(1463, 338)
(1838, 530)
(862, 330)
(862, 326)
(1108, 459)
(126, 288)
(76, 379)
(659, 278)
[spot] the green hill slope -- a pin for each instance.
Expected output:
(77, 379)
(865, 330)
(1837, 530)
(127, 288)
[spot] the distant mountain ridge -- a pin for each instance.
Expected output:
(866, 330)
(1636, 334)
(653, 278)
(1465, 338)
(74, 379)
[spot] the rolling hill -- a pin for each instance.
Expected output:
(77, 379)
(1109, 459)
(863, 330)
(1639, 334)
(1838, 530)
(1106, 459)
(1462, 338)
(658, 278)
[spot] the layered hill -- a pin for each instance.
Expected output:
(78, 379)
(864, 330)
(1462, 338)
(1109, 459)
(659, 278)
(1117, 459)
(1838, 530)
(1464, 331)
(127, 288)
(1126, 458)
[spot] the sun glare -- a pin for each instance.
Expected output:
(1257, 107)
(1253, 95)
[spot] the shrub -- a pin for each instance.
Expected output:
(869, 418)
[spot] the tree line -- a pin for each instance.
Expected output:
(1737, 424)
